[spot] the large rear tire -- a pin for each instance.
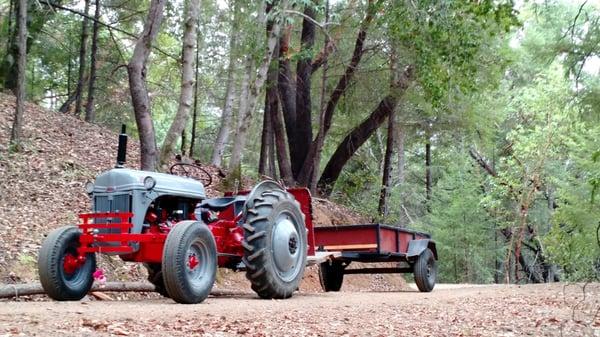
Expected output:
(425, 271)
(275, 243)
(331, 275)
(60, 281)
(189, 265)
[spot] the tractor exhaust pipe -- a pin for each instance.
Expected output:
(122, 149)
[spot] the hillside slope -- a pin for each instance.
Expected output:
(42, 188)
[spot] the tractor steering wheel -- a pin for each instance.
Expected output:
(191, 171)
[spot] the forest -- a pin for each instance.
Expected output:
(476, 121)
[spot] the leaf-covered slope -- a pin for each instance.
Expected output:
(41, 188)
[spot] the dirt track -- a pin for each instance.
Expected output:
(452, 310)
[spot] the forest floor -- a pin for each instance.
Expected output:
(457, 310)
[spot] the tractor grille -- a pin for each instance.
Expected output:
(112, 203)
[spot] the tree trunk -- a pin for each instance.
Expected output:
(266, 139)
(315, 147)
(303, 127)
(428, 173)
(90, 112)
(384, 194)
(362, 132)
(187, 82)
(137, 85)
(254, 91)
(236, 151)
(223, 134)
(17, 127)
(195, 109)
(401, 136)
(82, 60)
(286, 85)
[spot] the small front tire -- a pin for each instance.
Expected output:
(58, 281)
(189, 264)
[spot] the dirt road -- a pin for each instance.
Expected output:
(535, 310)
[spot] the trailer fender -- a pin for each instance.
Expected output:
(416, 247)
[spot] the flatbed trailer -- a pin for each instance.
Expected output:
(338, 246)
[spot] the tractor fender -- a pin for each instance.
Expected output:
(416, 247)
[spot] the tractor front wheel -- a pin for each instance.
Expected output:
(274, 243)
(189, 264)
(425, 271)
(65, 276)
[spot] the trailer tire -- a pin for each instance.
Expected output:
(275, 244)
(189, 264)
(425, 271)
(155, 276)
(58, 283)
(331, 275)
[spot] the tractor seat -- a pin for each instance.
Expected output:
(220, 204)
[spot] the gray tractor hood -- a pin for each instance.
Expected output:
(127, 180)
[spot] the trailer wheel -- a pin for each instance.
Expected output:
(189, 264)
(331, 275)
(155, 276)
(274, 243)
(63, 277)
(425, 270)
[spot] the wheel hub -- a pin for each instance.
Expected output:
(193, 261)
(285, 244)
(71, 263)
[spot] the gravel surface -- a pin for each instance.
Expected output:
(535, 310)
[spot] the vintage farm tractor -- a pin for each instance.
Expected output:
(166, 222)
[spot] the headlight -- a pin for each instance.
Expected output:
(89, 187)
(149, 183)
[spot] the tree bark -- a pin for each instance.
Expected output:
(428, 173)
(401, 136)
(357, 136)
(195, 109)
(190, 38)
(90, 112)
(266, 139)
(254, 91)
(137, 85)
(82, 60)
(315, 147)
(384, 194)
(286, 85)
(224, 129)
(17, 127)
(303, 127)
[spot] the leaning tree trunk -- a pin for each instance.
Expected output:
(17, 127)
(195, 108)
(137, 85)
(315, 148)
(362, 132)
(225, 128)
(82, 56)
(255, 89)
(384, 194)
(187, 82)
(90, 112)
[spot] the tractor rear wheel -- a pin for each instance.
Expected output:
(274, 243)
(64, 275)
(155, 277)
(331, 275)
(189, 264)
(425, 271)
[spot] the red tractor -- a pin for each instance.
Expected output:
(166, 222)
